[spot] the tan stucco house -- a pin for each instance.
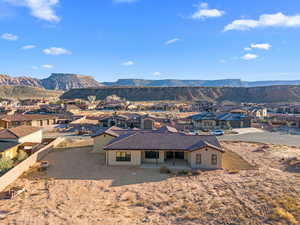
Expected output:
(164, 147)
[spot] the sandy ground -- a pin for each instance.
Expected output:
(275, 138)
(79, 189)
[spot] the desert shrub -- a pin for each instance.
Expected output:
(183, 172)
(233, 171)
(282, 213)
(164, 169)
(196, 172)
(22, 155)
(5, 164)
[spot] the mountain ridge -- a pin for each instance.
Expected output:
(198, 83)
(266, 94)
(67, 81)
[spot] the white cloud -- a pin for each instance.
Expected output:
(42, 9)
(204, 12)
(47, 66)
(223, 61)
(128, 63)
(265, 20)
(26, 47)
(249, 56)
(247, 49)
(157, 73)
(124, 1)
(9, 37)
(264, 46)
(56, 51)
(172, 41)
(35, 67)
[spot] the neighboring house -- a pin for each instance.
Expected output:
(22, 134)
(9, 149)
(233, 120)
(104, 136)
(85, 124)
(205, 120)
(164, 147)
(209, 120)
(35, 120)
(259, 113)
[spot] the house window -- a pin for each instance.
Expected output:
(198, 159)
(214, 159)
(123, 157)
(151, 155)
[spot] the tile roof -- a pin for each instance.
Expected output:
(113, 131)
(163, 141)
(26, 117)
(204, 116)
(167, 129)
(231, 117)
(18, 132)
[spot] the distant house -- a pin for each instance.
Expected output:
(209, 120)
(35, 120)
(233, 120)
(85, 124)
(205, 120)
(259, 112)
(22, 134)
(164, 147)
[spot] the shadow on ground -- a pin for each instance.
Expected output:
(82, 164)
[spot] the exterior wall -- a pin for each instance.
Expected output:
(161, 158)
(206, 124)
(36, 137)
(18, 170)
(3, 124)
(206, 159)
(101, 141)
(10, 153)
(136, 157)
(147, 124)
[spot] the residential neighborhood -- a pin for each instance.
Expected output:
(149, 112)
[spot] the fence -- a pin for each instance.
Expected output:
(19, 169)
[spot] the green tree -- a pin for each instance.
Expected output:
(5, 164)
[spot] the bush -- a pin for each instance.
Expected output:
(182, 172)
(233, 171)
(22, 155)
(164, 169)
(5, 164)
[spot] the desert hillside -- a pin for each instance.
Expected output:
(22, 92)
(217, 94)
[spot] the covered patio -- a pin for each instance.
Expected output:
(170, 159)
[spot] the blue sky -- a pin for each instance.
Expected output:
(151, 39)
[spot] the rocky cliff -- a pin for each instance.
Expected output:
(19, 81)
(63, 81)
(216, 94)
(57, 81)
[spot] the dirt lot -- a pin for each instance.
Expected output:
(79, 189)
